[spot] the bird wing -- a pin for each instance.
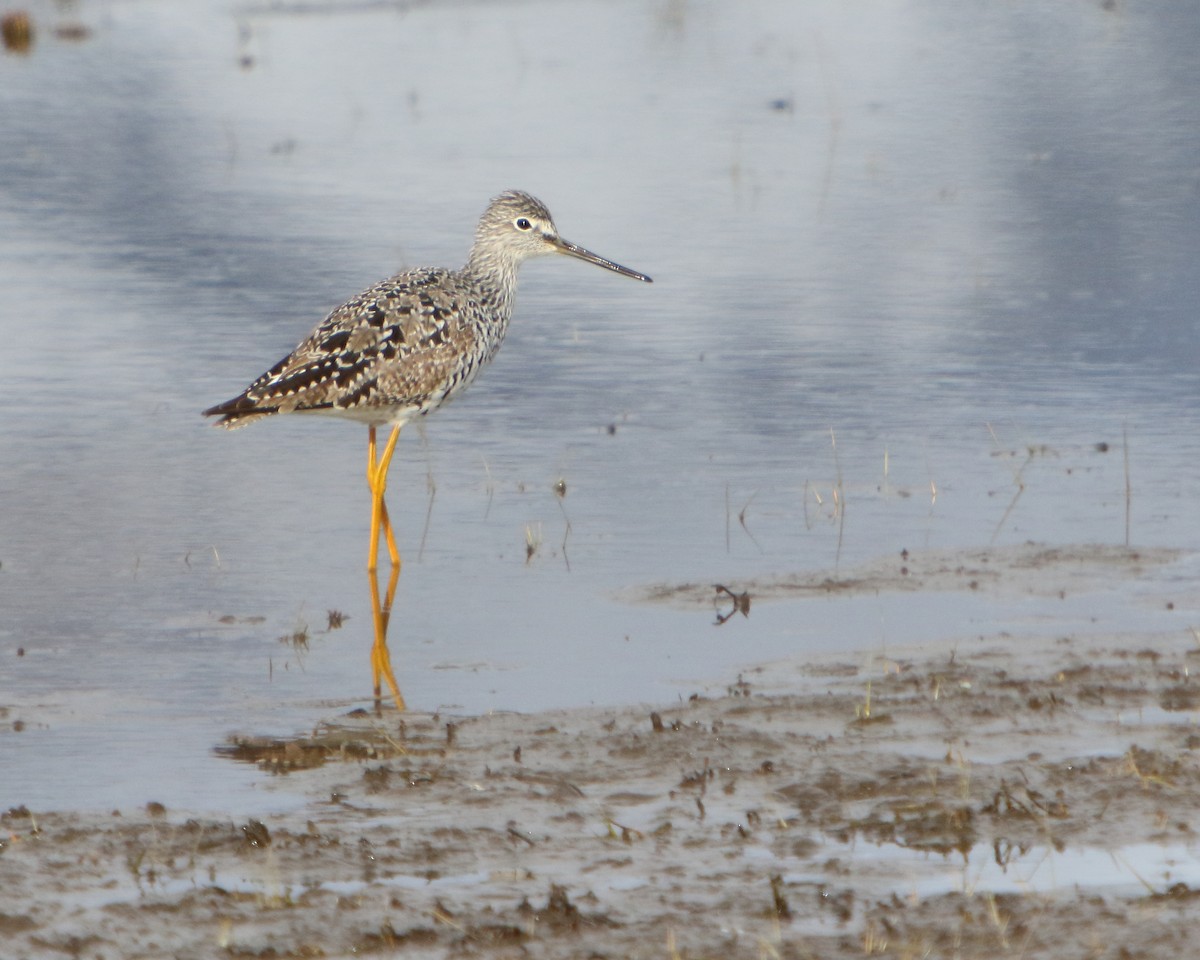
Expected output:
(398, 344)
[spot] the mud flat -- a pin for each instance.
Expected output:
(1010, 797)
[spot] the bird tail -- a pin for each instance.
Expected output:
(238, 412)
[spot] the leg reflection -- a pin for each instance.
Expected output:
(381, 661)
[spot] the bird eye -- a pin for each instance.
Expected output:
(523, 224)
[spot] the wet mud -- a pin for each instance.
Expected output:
(1010, 797)
(1029, 569)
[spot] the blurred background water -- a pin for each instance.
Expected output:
(897, 249)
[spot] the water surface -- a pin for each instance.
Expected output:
(925, 259)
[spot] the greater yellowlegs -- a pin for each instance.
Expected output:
(406, 345)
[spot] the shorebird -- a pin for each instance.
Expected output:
(408, 344)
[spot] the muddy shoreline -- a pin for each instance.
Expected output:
(1009, 797)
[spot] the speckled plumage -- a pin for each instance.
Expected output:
(400, 348)
(406, 345)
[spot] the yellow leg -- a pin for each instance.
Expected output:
(374, 548)
(389, 539)
(377, 470)
(381, 661)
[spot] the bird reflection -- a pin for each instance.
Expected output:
(381, 660)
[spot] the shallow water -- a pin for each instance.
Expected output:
(908, 264)
(1128, 870)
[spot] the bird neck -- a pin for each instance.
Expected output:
(495, 273)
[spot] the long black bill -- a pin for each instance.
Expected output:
(572, 250)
